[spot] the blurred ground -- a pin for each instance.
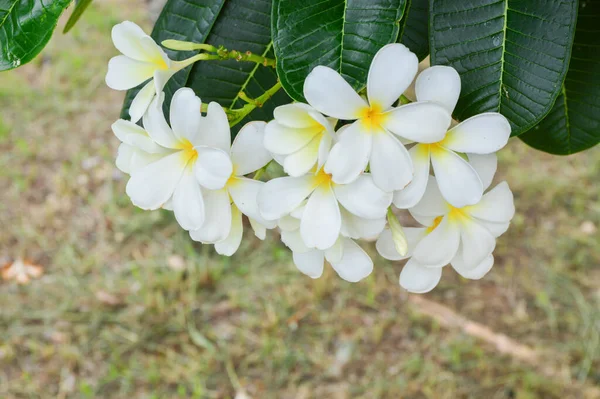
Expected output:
(130, 307)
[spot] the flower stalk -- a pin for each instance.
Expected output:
(235, 116)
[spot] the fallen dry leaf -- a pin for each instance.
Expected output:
(108, 298)
(22, 271)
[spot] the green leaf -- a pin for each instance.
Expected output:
(25, 28)
(242, 25)
(573, 124)
(341, 34)
(80, 6)
(414, 28)
(512, 55)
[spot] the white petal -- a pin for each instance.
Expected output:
(188, 204)
(310, 263)
(282, 195)
(294, 115)
(288, 223)
(424, 122)
(284, 140)
(156, 125)
(151, 186)
(387, 248)
(476, 243)
(418, 279)
(133, 42)
(485, 165)
(328, 92)
(356, 227)
(497, 229)
(293, 240)
(497, 205)
(231, 244)
(303, 160)
(459, 183)
(480, 134)
(324, 149)
(125, 73)
(185, 114)
(321, 221)
(439, 247)
(133, 135)
(476, 273)
(248, 152)
(392, 70)
(214, 129)
(161, 78)
(363, 198)
(390, 164)
(412, 194)
(440, 84)
(431, 205)
(125, 154)
(141, 159)
(212, 168)
(141, 102)
(355, 263)
(168, 206)
(335, 252)
(350, 155)
(260, 231)
(217, 223)
(244, 193)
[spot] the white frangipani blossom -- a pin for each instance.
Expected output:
(300, 138)
(225, 206)
(141, 59)
(170, 164)
(321, 221)
(481, 134)
(346, 257)
(369, 140)
(463, 237)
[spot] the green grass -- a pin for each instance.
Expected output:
(111, 318)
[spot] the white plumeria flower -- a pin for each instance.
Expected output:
(137, 148)
(224, 207)
(369, 138)
(464, 237)
(171, 164)
(141, 59)
(346, 257)
(321, 221)
(300, 138)
(481, 134)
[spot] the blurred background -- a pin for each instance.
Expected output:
(100, 299)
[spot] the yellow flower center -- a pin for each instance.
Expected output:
(372, 118)
(321, 178)
(436, 223)
(189, 153)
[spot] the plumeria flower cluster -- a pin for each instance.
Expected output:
(349, 158)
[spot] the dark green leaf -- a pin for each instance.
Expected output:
(242, 25)
(414, 27)
(573, 124)
(80, 6)
(25, 28)
(512, 55)
(341, 34)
